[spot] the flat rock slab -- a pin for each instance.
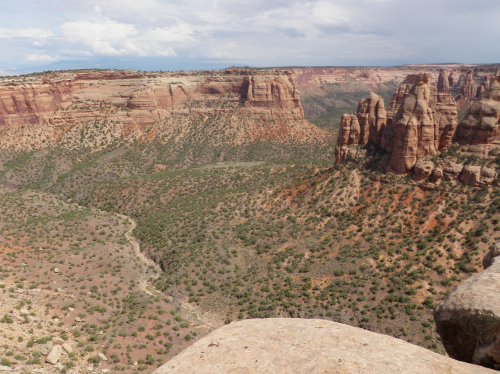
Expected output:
(54, 355)
(275, 345)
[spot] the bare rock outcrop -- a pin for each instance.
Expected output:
(422, 170)
(468, 320)
(419, 122)
(307, 346)
(372, 118)
(54, 354)
(481, 124)
(477, 176)
(443, 84)
(277, 97)
(271, 95)
(468, 90)
(483, 87)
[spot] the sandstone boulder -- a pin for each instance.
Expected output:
(67, 347)
(307, 346)
(437, 174)
(468, 320)
(452, 171)
(477, 176)
(422, 170)
(54, 355)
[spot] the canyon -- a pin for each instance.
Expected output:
(249, 211)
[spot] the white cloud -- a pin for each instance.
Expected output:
(37, 57)
(75, 52)
(111, 38)
(260, 32)
(24, 33)
(167, 53)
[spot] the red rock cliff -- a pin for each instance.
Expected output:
(481, 124)
(420, 122)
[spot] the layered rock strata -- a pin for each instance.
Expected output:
(270, 96)
(483, 87)
(418, 123)
(129, 106)
(468, 320)
(481, 124)
(468, 90)
(276, 345)
(443, 84)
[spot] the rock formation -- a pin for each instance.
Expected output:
(443, 84)
(468, 320)
(278, 97)
(144, 107)
(307, 346)
(483, 87)
(481, 124)
(269, 96)
(468, 90)
(419, 122)
(452, 79)
(364, 127)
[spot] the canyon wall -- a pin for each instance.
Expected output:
(273, 96)
(248, 105)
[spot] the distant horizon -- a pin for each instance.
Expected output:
(54, 68)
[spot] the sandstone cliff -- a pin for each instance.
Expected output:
(468, 90)
(481, 124)
(152, 106)
(483, 87)
(307, 346)
(419, 122)
(443, 84)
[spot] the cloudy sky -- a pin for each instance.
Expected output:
(191, 34)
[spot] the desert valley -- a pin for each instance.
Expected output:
(141, 212)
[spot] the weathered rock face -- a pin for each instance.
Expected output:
(422, 170)
(481, 124)
(145, 107)
(443, 84)
(277, 97)
(477, 176)
(307, 346)
(469, 89)
(372, 118)
(273, 96)
(485, 84)
(468, 320)
(418, 123)
(364, 127)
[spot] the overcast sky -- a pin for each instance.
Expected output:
(190, 34)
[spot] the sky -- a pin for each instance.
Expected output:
(37, 35)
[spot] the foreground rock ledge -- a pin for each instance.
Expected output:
(468, 320)
(277, 345)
